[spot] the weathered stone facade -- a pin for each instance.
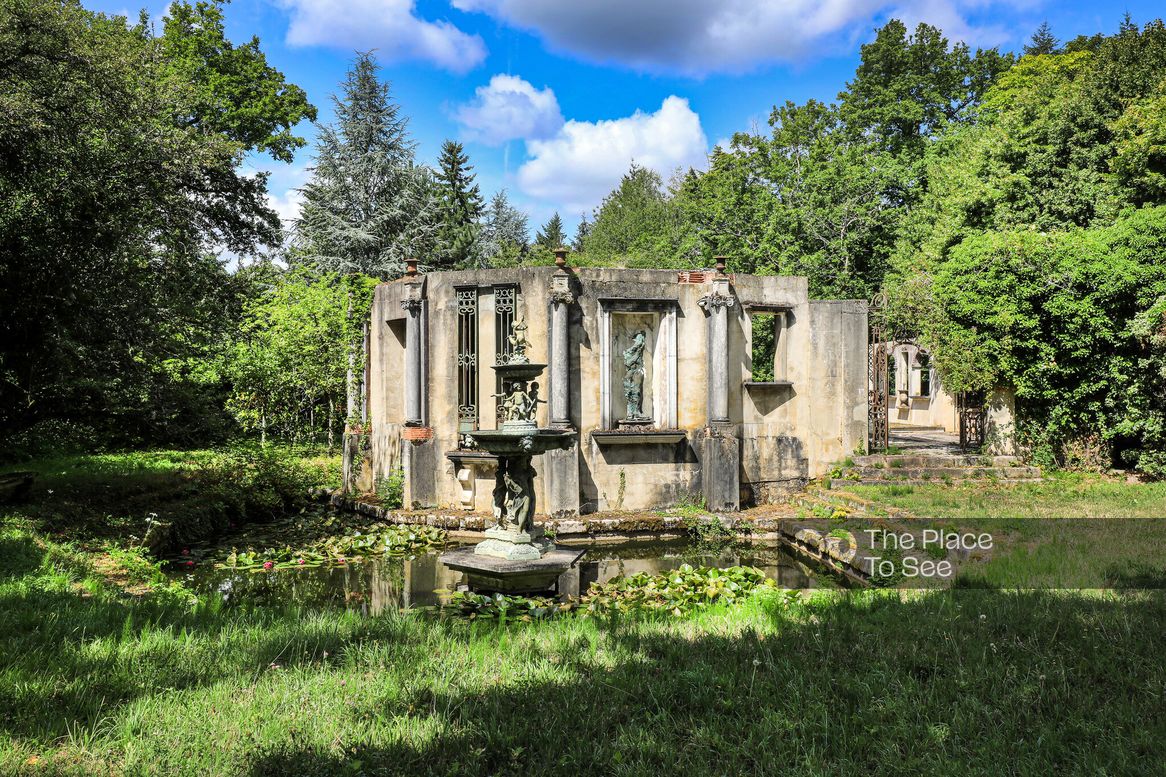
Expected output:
(707, 430)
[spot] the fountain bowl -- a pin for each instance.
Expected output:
(521, 440)
(520, 371)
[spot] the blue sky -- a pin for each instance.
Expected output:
(553, 98)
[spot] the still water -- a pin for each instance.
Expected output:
(395, 583)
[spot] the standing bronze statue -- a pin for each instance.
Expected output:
(633, 382)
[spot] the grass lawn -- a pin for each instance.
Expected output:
(1072, 530)
(1058, 495)
(94, 680)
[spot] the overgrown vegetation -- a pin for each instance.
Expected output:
(94, 682)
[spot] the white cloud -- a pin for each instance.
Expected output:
(283, 186)
(697, 37)
(509, 108)
(585, 160)
(389, 26)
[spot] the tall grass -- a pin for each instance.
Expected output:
(968, 682)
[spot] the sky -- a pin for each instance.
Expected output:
(553, 99)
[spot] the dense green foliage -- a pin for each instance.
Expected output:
(1008, 208)
(288, 364)
(1035, 258)
(120, 154)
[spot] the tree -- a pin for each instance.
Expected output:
(288, 364)
(1069, 319)
(581, 233)
(504, 235)
(909, 89)
(119, 172)
(639, 224)
(552, 235)
(807, 200)
(461, 207)
(1042, 42)
(368, 206)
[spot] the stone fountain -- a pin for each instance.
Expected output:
(515, 556)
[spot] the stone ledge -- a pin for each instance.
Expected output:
(768, 384)
(635, 437)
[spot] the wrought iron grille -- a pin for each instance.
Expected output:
(505, 305)
(878, 379)
(467, 360)
(970, 405)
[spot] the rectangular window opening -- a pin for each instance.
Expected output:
(467, 360)
(767, 352)
(505, 306)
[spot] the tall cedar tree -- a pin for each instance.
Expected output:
(368, 207)
(461, 208)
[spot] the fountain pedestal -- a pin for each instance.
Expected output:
(515, 557)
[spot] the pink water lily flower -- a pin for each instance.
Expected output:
(299, 561)
(268, 565)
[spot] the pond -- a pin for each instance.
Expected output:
(376, 585)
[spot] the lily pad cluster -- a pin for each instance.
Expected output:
(371, 542)
(675, 593)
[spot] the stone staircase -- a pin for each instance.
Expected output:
(918, 467)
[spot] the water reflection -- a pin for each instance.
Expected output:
(422, 580)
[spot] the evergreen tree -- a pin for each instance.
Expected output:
(552, 235)
(639, 221)
(368, 206)
(1043, 41)
(581, 233)
(461, 207)
(504, 235)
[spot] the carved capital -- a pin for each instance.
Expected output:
(411, 305)
(712, 302)
(562, 298)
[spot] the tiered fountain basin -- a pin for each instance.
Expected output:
(515, 557)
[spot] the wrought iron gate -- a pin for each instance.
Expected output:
(970, 405)
(878, 430)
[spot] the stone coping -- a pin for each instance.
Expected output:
(759, 523)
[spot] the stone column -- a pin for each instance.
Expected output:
(717, 448)
(716, 304)
(561, 299)
(561, 467)
(412, 307)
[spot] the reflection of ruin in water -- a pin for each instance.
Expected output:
(392, 583)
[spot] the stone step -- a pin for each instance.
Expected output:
(844, 483)
(940, 473)
(934, 460)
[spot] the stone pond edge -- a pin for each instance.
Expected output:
(829, 553)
